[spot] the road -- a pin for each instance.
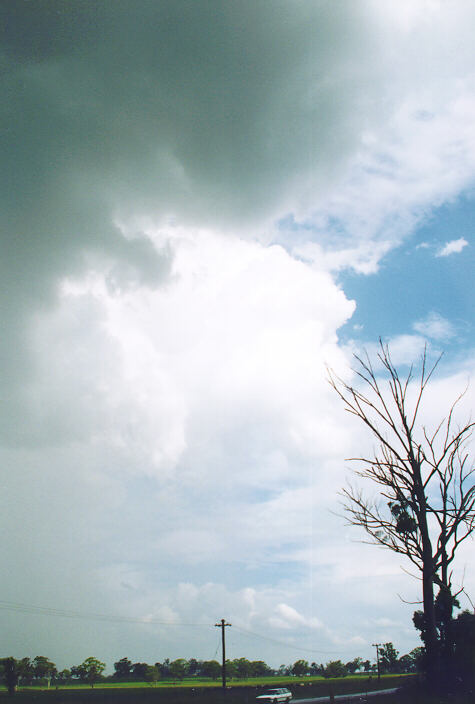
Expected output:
(346, 697)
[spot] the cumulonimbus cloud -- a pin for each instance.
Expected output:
(162, 356)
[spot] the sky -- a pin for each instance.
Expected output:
(204, 204)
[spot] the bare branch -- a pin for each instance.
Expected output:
(425, 478)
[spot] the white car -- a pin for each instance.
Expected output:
(276, 695)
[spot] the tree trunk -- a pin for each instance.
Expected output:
(445, 602)
(431, 640)
(431, 636)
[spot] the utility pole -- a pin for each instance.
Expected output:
(376, 645)
(222, 625)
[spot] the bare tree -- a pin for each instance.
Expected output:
(427, 491)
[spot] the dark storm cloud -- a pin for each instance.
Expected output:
(205, 111)
(186, 106)
(209, 113)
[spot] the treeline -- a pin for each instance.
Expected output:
(241, 668)
(42, 671)
(389, 663)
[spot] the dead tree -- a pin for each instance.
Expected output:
(426, 484)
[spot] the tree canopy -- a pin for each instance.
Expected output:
(90, 670)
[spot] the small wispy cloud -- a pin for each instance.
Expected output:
(434, 326)
(452, 247)
(288, 617)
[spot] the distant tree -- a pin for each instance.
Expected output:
(212, 668)
(179, 669)
(366, 665)
(63, 676)
(230, 669)
(9, 668)
(75, 672)
(411, 662)
(164, 668)
(427, 483)
(335, 668)
(316, 669)
(25, 671)
(151, 674)
(284, 670)
(123, 669)
(138, 671)
(388, 659)
(353, 665)
(405, 664)
(243, 668)
(194, 667)
(259, 668)
(300, 668)
(44, 668)
(90, 670)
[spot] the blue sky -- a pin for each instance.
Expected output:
(413, 281)
(203, 205)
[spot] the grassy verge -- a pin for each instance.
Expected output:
(240, 692)
(241, 695)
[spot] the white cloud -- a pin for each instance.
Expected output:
(417, 153)
(452, 247)
(212, 388)
(287, 617)
(405, 349)
(363, 259)
(434, 326)
(403, 169)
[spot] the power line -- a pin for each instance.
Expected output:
(110, 618)
(48, 611)
(287, 645)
